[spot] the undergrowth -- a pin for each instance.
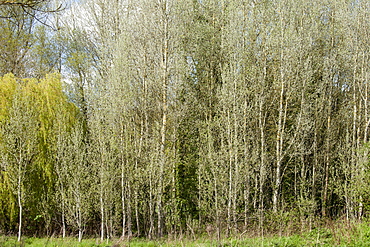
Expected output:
(329, 234)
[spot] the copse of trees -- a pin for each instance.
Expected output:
(185, 117)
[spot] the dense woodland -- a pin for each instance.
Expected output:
(154, 118)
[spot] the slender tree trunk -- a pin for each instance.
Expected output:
(282, 115)
(247, 185)
(19, 193)
(151, 207)
(129, 212)
(367, 122)
(262, 169)
(137, 214)
(279, 142)
(218, 223)
(79, 223)
(20, 210)
(123, 201)
(354, 160)
(315, 162)
(164, 64)
(102, 216)
(231, 177)
(63, 220)
(326, 172)
(79, 234)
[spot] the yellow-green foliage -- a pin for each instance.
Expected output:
(53, 110)
(7, 201)
(7, 87)
(53, 113)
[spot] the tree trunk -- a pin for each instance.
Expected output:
(123, 201)
(63, 221)
(102, 216)
(164, 64)
(20, 217)
(151, 207)
(79, 234)
(279, 147)
(20, 202)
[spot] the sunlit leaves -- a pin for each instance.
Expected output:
(30, 115)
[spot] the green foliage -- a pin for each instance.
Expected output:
(7, 88)
(27, 50)
(43, 106)
(190, 118)
(45, 53)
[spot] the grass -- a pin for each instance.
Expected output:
(6, 241)
(332, 235)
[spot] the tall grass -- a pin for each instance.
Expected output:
(330, 234)
(49, 242)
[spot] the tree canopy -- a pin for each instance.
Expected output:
(151, 118)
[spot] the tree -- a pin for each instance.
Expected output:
(19, 143)
(31, 106)
(18, 20)
(31, 7)
(29, 3)
(79, 188)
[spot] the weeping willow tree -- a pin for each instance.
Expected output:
(29, 113)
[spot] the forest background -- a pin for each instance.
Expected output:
(154, 118)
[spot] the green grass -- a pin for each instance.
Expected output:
(335, 235)
(49, 242)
